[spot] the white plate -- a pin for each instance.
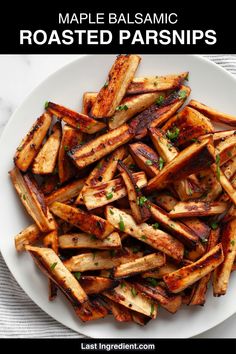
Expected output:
(211, 85)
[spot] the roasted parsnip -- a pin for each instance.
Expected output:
(82, 240)
(213, 114)
(86, 222)
(186, 126)
(229, 168)
(98, 260)
(162, 144)
(126, 295)
(103, 172)
(91, 310)
(27, 237)
(132, 105)
(191, 208)
(140, 265)
(226, 149)
(54, 267)
(33, 200)
(106, 193)
(186, 188)
(89, 99)
(225, 183)
(120, 313)
(30, 145)
(95, 285)
(160, 295)
(156, 83)
(138, 203)
(222, 273)
(160, 272)
(45, 161)
(188, 275)
(157, 114)
(71, 137)
(51, 240)
(76, 120)
(99, 147)
(113, 91)
(156, 238)
(179, 230)
(199, 293)
(190, 160)
(146, 158)
(66, 192)
(218, 135)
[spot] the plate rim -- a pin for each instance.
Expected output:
(12, 117)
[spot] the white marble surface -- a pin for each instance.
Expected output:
(18, 76)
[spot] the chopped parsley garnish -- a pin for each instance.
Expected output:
(123, 107)
(96, 263)
(109, 196)
(155, 226)
(141, 200)
(23, 196)
(55, 172)
(152, 309)
(143, 237)
(78, 126)
(232, 243)
(194, 140)
(53, 266)
(106, 84)
(160, 100)
(121, 224)
(190, 191)
(111, 212)
(152, 281)
(46, 104)
(172, 134)
(122, 285)
(99, 165)
(186, 253)
(66, 148)
(229, 153)
(161, 163)
(214, 225)
(112, 253)
(182, 94)
(148, 162)
(93, 237)
(77, 275)
(133, 292)
(20, 148)
(132, 166)
(218, 166)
